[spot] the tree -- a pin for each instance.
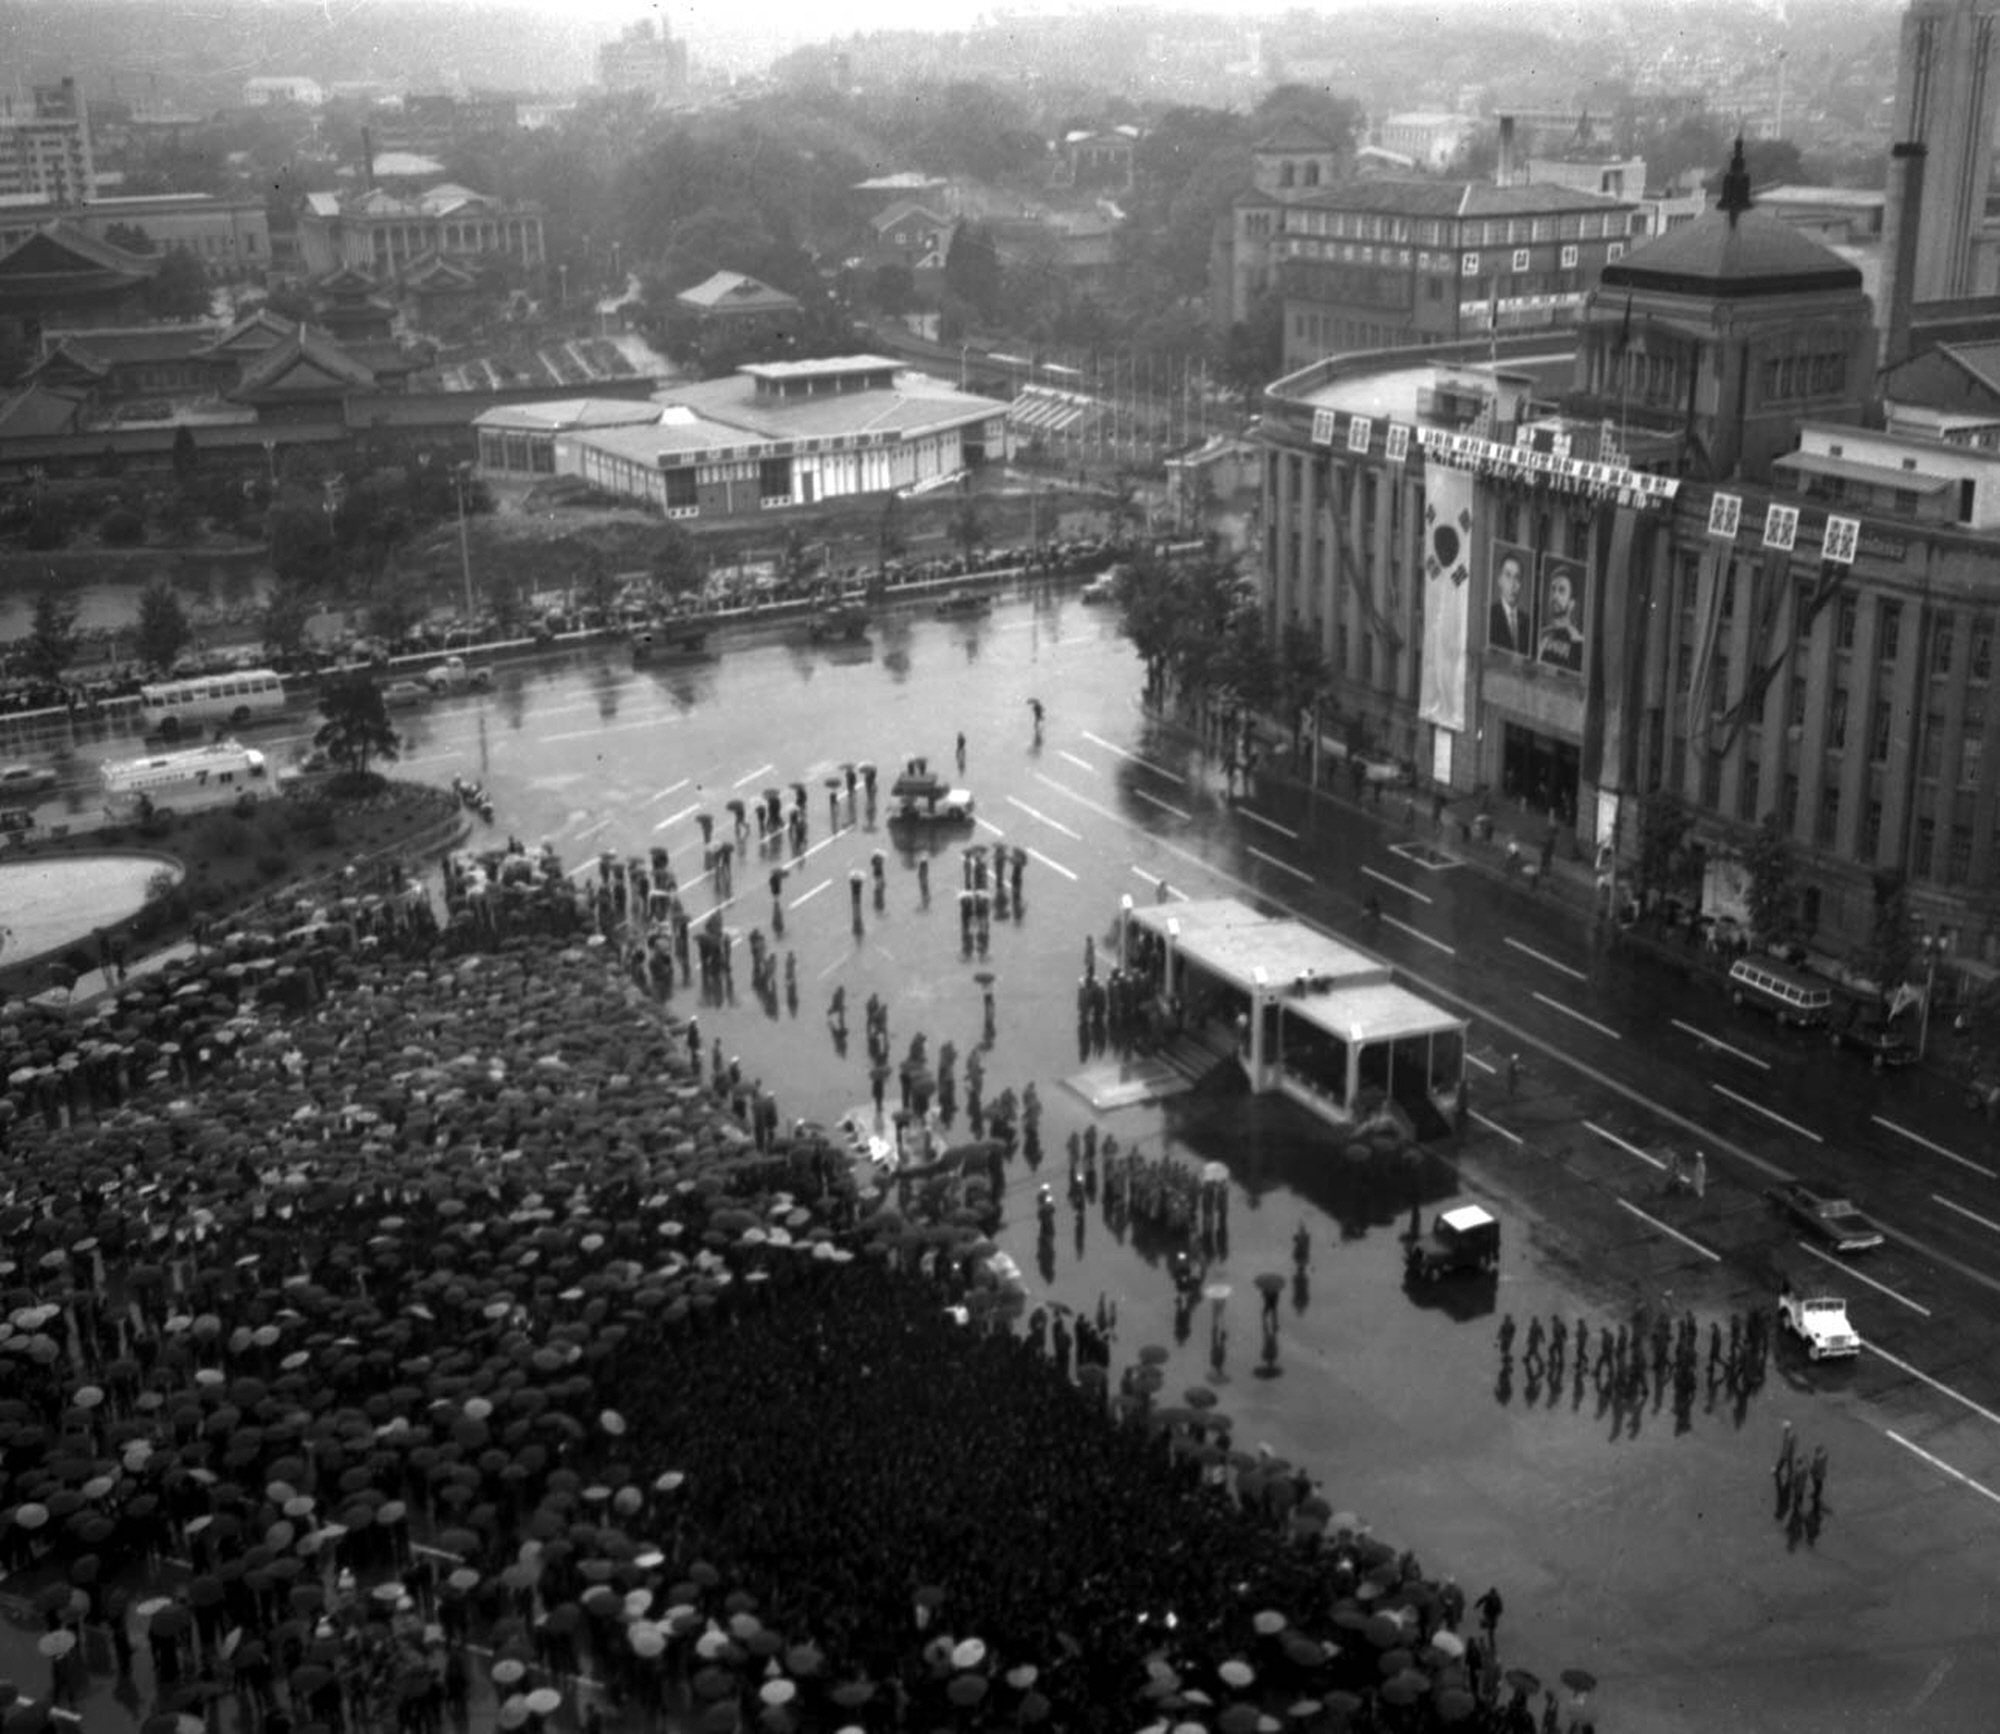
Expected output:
(357, 727)
(301, 541)
(52, 635)
(1255, 350)
(1301, 676)
(968, 527)
(130, 237)
(163, 630)
(1774, 891)
(283, 626)
(1664, 823)
(179, 288)
(187, 456)
(676, 569)
(1889, 957)
(972, 272)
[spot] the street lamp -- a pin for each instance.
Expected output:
(460, 475)
(1934, 945)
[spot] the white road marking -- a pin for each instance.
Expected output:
(1081, 764)
(1419, 933)
(1938, 1385)
(592, 830)
(1849, 1273)
(1057, 866)
(1154, 880)
(664, 793)
(1396, 885)
(1543, 957)
(1269, 824)
(1939, 1464)
(1572, 1012)
(1053, 824)
(1768, 1113)
(1934, 1149)
(1282, 866)
(1486, 1066)
(1709, 1041)
(646, 722)
(1629, 1149)
(1164, 806)
(676, 818)
(806, 897)
(1670, 1233)
(1157, 770)
(1495, 1126)
(1969, 1215)
(751, 776)
(986, 824)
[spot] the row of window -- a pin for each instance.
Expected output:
(1795, 376)
(1518, 263)
(1954, 869)
(1453, 234)
(1847, 628)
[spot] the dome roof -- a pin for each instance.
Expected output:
(1731, 254)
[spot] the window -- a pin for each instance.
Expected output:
(681, 494)
(1285, 175)
(774, 479)
(1312, 174)
(1933, 745)
(1788, 803)
(1972, 746)
(1843, 637)
(1958, 856)
(1829, 815)
(1942, 633)
(1926, 847)
(1890, 639)
(1871, 833)
(1836, 721)
(1746, 791)
(1982, 650)
(1614, 250)
(1878, 734)
(1798, 710)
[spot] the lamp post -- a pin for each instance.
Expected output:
(1935, 945)
(460, 475)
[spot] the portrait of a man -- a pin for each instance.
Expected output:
(1560, 643)
(1510, 621)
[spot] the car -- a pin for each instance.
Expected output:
(1819, 1321)
(1464, 1237)
(1869, 1032)
(944, 807)
(25, 782)
(406, 694)
(1827, 1218)
(1102, 588)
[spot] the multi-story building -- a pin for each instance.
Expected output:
(1390, 262)
(1286, 164)
(645, 59)
(1431, 139)
(45, 145)
(230, 237)
(382, 234)
(1661, 553)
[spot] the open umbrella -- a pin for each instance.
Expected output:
(1581, 1681)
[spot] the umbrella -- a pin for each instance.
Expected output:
(56, 1644)
(1454, 1704)
(544, 1701)
(1579, 1680)
(1524, 1682)
(1271, 1283)
(1448, 1644)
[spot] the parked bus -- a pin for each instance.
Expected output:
(235, 696)
(217, 775)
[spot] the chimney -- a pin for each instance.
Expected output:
(1899, 248)
(1503, 169)
(367, 159)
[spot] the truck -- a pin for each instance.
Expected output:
(453, 675)
(1462, 1238)
(1819, 1321)
(221, 774)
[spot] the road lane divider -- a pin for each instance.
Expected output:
(1937, 1385)
(1282, 866)
(1053, 824)
(674, 790)
(1969, 1215)
(604, 728)
(1156, 881)
(1570, 1011)
(1511, 1136)
(1543, 957)
(986, 824)
(1686, 1240)
(1935, 1149)
(1164, 806)
(1771, 1114)
(751, 776)
(1257, 818)
(1629, 1148)
(1081, 764)
(805, 897)
(676, 818)
(1419, 933)
(1054, 866)
(1158, 770)
(592, 830)
(1847, 1269)
(1942, 1467)
(1709, 1041)
(1396, 885)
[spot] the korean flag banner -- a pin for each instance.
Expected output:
(1447, 595)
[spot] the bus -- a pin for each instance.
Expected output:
(233, 696)
(217, 775)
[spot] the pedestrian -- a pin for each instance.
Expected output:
(1490, 1607)
(961, 750)
(1700, 1175)
(1513, 1076)
(1781, 1471)
(1818, 1478)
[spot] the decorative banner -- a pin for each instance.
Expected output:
(1843, 537)
(1725, 516)
(1359, 431)
(1601, 483)
(1510, 612)
(1712, 581)
(1447, 596)
(1322, 434)
(1560, 642)
(1397, 449)
(1781, 527)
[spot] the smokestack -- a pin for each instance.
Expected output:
(1503, 170)
(367, 159)
(1899, 247)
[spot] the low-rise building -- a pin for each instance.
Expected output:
(1428, 138)
(734, 314)
(231, 238)
(382, 233)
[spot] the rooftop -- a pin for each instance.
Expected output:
(1413, 196)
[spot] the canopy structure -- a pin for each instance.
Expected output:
(1302, 1012)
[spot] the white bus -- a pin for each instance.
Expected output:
(217, 775)
(236, 696)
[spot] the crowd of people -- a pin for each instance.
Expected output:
(404, 1327)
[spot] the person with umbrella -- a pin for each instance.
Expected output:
(1035, 710)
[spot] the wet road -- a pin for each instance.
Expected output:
(1635, 1541)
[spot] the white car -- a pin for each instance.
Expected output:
(25, 782)
(1820, 1322)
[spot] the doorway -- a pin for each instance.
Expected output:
(1541, 771)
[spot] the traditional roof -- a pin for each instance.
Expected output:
(348, 281)
(251, 335)
(1732, 257)
(902, 208)
(307, 364)
(102, 347)
(1413, 196)
(434, 274)
(40, 409)
(60, 260)
(732, 292)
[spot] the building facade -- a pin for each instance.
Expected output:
(1286, 164)
(646, 59)
(1520, 590)
(383, 234)
(45, 151)
(230, 237)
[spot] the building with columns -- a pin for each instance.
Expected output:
(1665, 555)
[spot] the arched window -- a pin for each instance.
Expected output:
(1312, 174)
(1285, 175)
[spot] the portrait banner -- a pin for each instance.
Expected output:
(1559, 644)
(1510, 606)
(1447, 595)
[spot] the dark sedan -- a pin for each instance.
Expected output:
(1872, 1034)
(1831, 1220)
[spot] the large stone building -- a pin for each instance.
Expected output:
(645, 59)
(1286, 164)
(383, 234)
(45, 151)
(230, 237)
(1662, 553)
